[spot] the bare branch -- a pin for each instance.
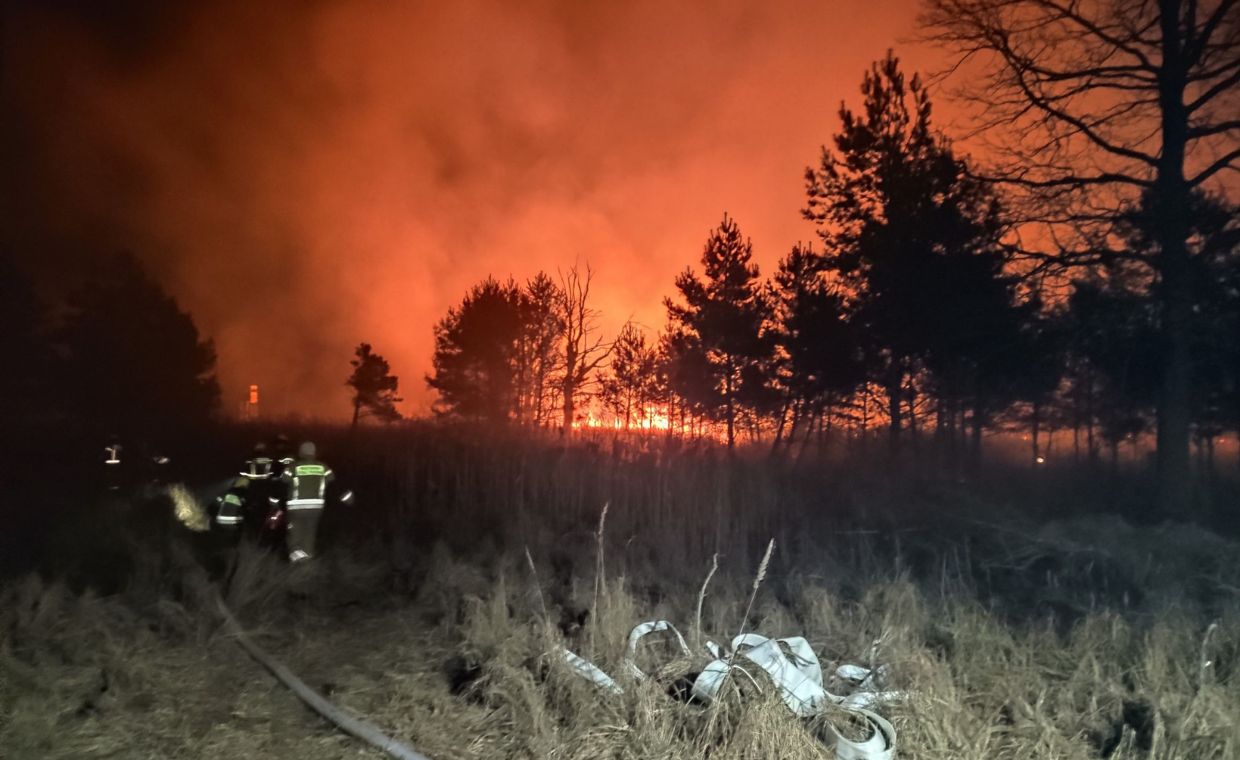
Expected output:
(1067, 12)
(1223, 163)
(1197, 46)
(1215, 90)
(1209, 130)
(1075, 181)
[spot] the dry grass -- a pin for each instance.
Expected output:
(91, 677)
(1079, 639)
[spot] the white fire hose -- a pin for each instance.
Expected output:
(795, 672)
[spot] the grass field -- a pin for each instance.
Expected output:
(1015, 624)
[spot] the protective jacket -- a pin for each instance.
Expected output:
(230, 507)
(307, 481)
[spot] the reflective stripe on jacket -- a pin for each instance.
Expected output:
(307, 484)
(230, 510)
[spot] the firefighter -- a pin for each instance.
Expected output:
(307, 480)
(258, 500)
(259, 466)
(281, 456)
(230, 507)
(113, 474)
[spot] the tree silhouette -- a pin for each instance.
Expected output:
(688, 374)
(982, 346)
(582, 349)
(1094, 104)
(539, 351)
(1114, 330)
(721, 327)
(1214, 249)
(135, 362)
(628, 386)
(1217, 334)
(1040, 374)
(916, 242)
(476, 347)
(374, 386)
(820, 362)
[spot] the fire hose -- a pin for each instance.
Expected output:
(367, 732)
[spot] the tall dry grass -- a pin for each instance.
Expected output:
(439, 606)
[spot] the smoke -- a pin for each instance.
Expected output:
(305, 176)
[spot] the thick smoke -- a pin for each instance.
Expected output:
(308, 175)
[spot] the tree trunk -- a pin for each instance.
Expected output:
(1171, 209)
(1036, 430)
(569, 409)
(731, 407)
(978, 421)
(894, 410)
(798, 415)
(809, 435)
(975, 447)
(828, 409)
(1089, 423)
(779, 431)
(910, 396)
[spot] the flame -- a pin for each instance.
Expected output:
(653, 417)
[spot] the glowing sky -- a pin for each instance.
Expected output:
(304, 176)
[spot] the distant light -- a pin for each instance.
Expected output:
(1040, 460)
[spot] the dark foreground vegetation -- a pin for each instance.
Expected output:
(1021, 614)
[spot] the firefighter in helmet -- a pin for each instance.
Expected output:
(258, 474)
(259, 466)
(113, 474)
(281, 454)
(230, 507)
(307, 480)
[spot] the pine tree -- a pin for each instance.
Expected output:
(628, 385)
(476, 347)
(136, 364)
(374, 386)
(915, 240)
(721, 326)
(819, 360)
(539, 352)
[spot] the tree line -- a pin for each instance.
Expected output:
(116, 355)
(921, 307)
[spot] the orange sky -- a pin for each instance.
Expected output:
(308, 175)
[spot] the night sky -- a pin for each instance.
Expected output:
(304, 176)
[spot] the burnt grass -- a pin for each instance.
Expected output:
(1025, 613)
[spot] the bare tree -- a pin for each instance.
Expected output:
(583, 348)
(1092, 108)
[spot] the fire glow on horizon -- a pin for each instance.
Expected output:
(337, 172)
(651, 419)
